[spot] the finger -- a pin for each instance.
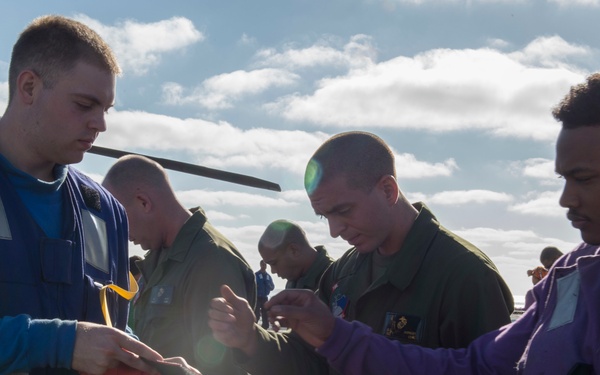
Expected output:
(220, 304)
(133, 361)
(139, 348)
(231, 297)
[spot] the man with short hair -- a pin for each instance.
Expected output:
(284, 247)
(558, 334)
(62, 236)
(187, 262)
(406, 276)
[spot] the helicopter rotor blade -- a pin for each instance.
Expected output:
(197, 170)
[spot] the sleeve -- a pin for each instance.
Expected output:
(28, 343)
(123, 266)
(354, 349)
(271, 285)
(476, 300)
(202, 285)
(282, 353)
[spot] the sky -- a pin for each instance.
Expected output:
(461, 90)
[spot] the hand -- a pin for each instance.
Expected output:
(232, 321)
(304, 313)
(537, 274)
(99, 348)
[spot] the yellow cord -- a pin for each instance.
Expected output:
(127, 294)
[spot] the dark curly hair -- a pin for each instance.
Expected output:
(581, 106)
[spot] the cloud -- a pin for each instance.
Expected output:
(441, 90)
(566, 3)
(407, 166)
(392, 4)
(139, 46)
(461, 197)
(247, 40)
(3, 96)
(542, 204)
(221, 91)
(205, 198)
(550, 52)
(538, 168)
(358, 52)
(221, 145)
(216, 145)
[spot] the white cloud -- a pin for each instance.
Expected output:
(566, 3)
(221, 145)
(205, 198)
(538, 168)
(218, 215)
(358, 52)
(509, 94)
(245, 39)
(392, 4)
(139, 46)
(221, 91)
(544, 204)
(216, 145)
(407, 166)
(3, 97)
(550, 52)
(461, 197)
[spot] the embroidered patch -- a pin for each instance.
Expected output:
(161, 295)
(338, 303)
(402, 327)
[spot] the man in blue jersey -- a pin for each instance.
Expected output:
(62, 236)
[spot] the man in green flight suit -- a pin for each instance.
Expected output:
(285, 248)
(187, 262)
(407, 277)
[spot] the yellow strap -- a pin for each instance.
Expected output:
(127, 294)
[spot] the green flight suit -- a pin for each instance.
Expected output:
(438, 291)
(311, 279)
(171, 313)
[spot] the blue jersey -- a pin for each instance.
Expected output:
(49, 278)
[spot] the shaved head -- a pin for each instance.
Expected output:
(362, 157)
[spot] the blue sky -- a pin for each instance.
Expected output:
(461, 90)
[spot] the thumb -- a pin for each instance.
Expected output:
(231, 297)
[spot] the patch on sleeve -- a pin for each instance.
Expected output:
(405, 328)
(338, 303)
(161, 295)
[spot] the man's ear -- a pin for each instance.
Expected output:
(389, 187)
(143, 201)
(293, 249)
(28, 83)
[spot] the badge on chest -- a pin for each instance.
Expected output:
(161, 295)
(402, 327)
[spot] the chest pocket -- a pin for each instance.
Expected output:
(157, 317)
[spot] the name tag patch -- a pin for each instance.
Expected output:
(402, 327)
(161, 295)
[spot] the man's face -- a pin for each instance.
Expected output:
(361, 218)
(578, 162)
(281, 263)
(69, 116)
